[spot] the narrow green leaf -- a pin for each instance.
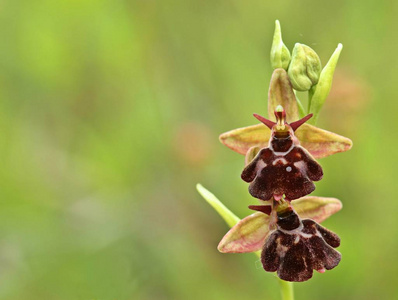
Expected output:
(229, 217)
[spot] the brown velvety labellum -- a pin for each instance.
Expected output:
(294, 254)
(289, 173)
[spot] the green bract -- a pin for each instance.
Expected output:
(319, 92)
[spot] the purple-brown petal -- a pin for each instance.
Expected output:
(265, 209)
(248, 235)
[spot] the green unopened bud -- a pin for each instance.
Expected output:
(305, 68)
(319, 93)
(280, 55)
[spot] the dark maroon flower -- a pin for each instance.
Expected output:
(297, 247)
(284, 167)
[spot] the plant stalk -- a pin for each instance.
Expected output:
(286, 288)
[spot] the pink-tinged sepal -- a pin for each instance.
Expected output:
(319, 142)
(322, 143)
(248, 235)
(316, 208)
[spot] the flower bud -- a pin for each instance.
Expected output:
(280, 55)
(305, 68)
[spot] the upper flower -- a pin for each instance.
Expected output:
(284, 167)
(318, 142)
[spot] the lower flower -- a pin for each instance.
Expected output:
(291, 246)
(297, 247)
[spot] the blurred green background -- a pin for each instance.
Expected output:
(110, 113)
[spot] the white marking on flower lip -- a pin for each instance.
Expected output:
(288, 169)
(297, 239)
(280, 159)
(300, 165)
(296, 231)
(280, 249)
(260, 166)
(280, 153)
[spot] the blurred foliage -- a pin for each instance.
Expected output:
(110, 113)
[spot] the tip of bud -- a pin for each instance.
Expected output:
(280, 54)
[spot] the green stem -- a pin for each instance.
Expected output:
(302, 112)
(310, 94)
(286, 289)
